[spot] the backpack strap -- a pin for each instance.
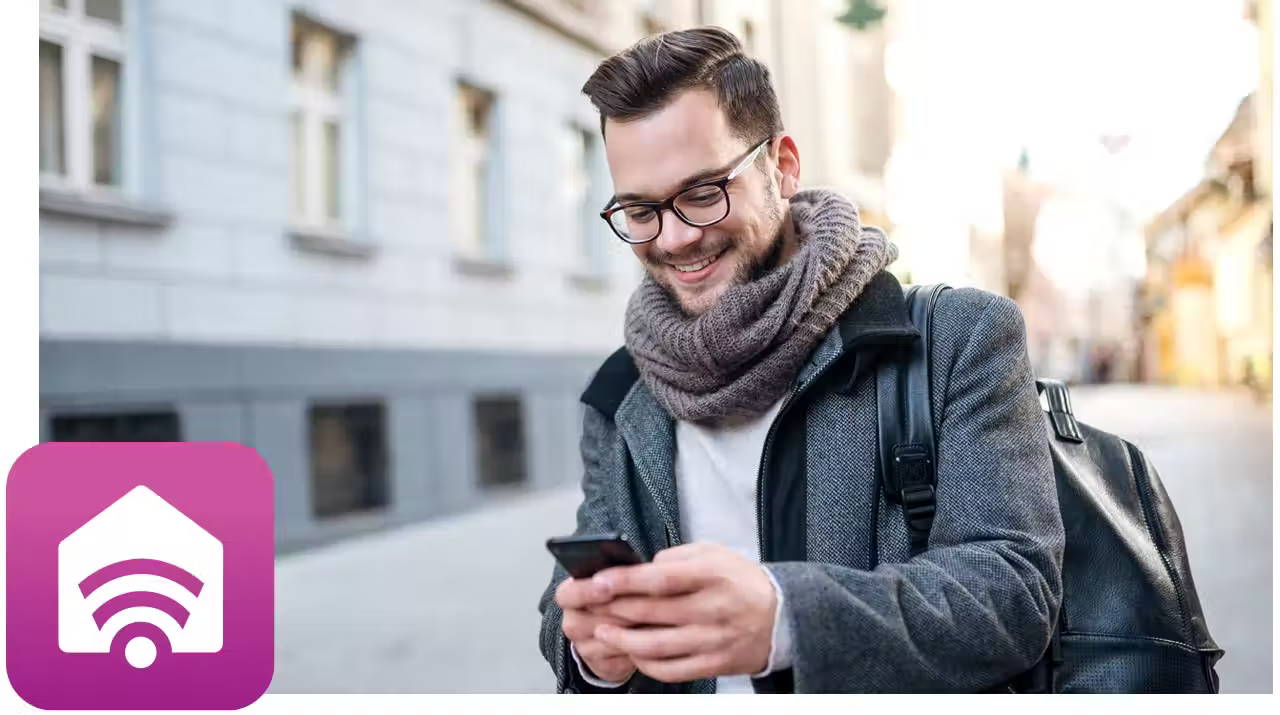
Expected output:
(907, 445)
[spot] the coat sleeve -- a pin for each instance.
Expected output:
(593, 516)
(978, 607)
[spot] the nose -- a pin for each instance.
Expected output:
(676, 235)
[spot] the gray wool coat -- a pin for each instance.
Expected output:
(974, 610)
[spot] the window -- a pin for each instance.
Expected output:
(499, 431)
(51, 120)
(579, 189)
(348, 458)
(83, 54)
(121, 427)
(322, 126)
(473, 173)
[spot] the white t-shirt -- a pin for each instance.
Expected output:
(716, 473)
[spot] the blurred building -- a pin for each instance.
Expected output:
(360, 237)
(836, 99)
(1026, 281)
(945, 169)
(363, 237)
(1208, 297)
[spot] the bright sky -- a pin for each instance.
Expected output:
(979, 80)
(1055, 75)
(1169, 74)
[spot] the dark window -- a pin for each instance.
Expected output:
(499, 441)
(127, 427)
(348, 458)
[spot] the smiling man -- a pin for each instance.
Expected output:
(733, 440)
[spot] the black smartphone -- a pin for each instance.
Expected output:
(583, 556)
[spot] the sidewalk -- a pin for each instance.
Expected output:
(451, 605)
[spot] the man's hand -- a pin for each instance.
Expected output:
(581, 600)
(712, 610)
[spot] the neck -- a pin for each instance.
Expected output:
(790, 243)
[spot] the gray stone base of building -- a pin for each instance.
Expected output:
(262, 396)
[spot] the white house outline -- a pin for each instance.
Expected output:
(140, 525)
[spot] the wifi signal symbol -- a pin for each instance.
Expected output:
(142, 641)
(136, 603)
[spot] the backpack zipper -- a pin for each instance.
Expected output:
(1146, 501)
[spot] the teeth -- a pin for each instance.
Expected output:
(692, 267)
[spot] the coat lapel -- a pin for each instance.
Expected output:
(650, 435)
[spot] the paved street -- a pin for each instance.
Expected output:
(451, 606)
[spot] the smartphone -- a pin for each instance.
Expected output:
(583, 556)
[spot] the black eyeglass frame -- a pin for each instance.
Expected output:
(670, 202)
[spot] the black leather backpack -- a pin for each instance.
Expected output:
(1130, 620)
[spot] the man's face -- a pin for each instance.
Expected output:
(654, 157)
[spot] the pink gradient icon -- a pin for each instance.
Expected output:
(140, 576)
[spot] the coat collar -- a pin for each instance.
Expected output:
(880, 311)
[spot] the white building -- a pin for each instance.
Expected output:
(359, 237)
(363, 238)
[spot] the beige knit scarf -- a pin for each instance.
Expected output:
(739, 357)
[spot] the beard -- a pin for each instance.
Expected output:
(752, 268)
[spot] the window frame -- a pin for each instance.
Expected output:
(589, 258)
(82, 38)
(486, 245)
(317, 106)
(523, 466)
(379, 484)
(116, 413)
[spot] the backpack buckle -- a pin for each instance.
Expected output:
(911, 470)
(919, 505)
(913, 487)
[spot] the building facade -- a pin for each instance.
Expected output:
(1208, 301)
(359, 237)
(363, 237)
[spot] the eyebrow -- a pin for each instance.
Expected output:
(698, 178)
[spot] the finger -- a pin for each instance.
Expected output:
(680, 610)
(580, 593)
(594, 650)
(578, 627)
(617, 668)
(653, 579)
(684, 551)
(662, 641)
(604, 578)
(681, 670)
(602, 614)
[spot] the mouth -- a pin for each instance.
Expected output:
(697, 270)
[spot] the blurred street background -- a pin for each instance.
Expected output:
(363, 239)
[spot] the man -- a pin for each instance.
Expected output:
(734, 439)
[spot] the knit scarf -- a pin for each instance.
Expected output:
(740, 356)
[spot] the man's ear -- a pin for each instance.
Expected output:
(787, 168)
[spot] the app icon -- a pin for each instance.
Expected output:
(140, 575)
(122, 568)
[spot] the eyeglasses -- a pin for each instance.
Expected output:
(699, 205)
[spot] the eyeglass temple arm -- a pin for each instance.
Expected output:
(610, 202)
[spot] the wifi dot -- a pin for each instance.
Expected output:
(140, 652)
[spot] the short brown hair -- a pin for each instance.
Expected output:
(645, 77)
